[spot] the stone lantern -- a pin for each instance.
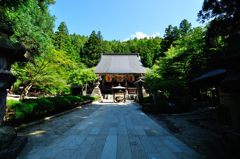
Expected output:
(9, 53)
(97, 92)
(230, 86)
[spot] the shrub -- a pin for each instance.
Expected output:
(19, 115)
(147, 99)
(95, 98)
(11, 103)
(43, 105)
(22, 110)
(29, 109)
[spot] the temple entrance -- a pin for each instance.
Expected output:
(117, 74)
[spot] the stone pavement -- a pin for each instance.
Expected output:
(104, 131)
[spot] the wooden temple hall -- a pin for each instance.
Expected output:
(119, 73)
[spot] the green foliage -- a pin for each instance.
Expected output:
(183, 61)
(81, 77)
(32, 24)
(225, 19)
(61, 37)
(149, 50)
(77, 43)
(171, 34)
(184, 27)
(30, 109)
(92, 49)
(95, 98)
(222, 30)
(6, 5)
(22, 110)
(11, 102)
(188, 55)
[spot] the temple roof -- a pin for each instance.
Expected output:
(210, 74)
(120, 63)
(209, 79)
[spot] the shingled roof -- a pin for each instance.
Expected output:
(120, 63)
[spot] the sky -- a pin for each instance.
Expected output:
(124, 19)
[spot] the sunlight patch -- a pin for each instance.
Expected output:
(38, 132)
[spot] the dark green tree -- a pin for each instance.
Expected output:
(225, 21)
(62, 28)
(33, 26)
(8, 5)
(171, 34)
(77, 43)
(184, 61)
(61, 38)
(223, 17)
(184, 27)
(92, 49)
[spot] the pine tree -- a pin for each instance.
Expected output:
(92, 49)
(61, 39)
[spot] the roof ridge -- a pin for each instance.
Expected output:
(122, 54)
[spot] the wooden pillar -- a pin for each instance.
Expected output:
(113, 93)
(126, 85)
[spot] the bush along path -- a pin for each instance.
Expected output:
(28, 110)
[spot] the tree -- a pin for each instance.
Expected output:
(5, 6)
(183, 61)
(82, 77)
(77, 43)
(61, 38)
(222, 11)
(33, 25)
(92, 49)
(184, 27)
(171, 34)
(222, 30)
(62, 28)
(149, 50)
(225, 17)
(48, 73)
(189, 54)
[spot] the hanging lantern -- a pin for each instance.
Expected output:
(131, 78)
(108, 78)
(120, 78)
(99, 77)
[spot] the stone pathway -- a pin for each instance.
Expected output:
(104, 131)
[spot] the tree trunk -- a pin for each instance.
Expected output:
(25, 91)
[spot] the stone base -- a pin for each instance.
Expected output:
(14, 149)
(7, 136)
(97, 92)
(10, 144)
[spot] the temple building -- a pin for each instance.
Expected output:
(119, 71)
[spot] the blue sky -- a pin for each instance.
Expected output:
(124, 19)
